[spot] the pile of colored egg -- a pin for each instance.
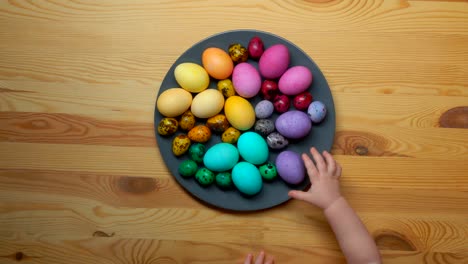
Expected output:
(247, 132)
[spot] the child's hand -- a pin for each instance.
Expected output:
(260, 259)
(324, 177)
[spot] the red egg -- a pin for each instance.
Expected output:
(269, 90)
(255, 48)
(302, 101)
(281, 103)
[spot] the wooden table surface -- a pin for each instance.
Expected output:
(82, 179)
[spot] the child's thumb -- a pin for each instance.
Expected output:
(299, 195)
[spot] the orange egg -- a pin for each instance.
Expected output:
(217, 63)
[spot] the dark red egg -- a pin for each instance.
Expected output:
(302, 101)
(281, 103)
(255, 48)
(269, 90)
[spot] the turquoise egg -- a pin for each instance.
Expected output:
(247, 178)
(253, 148)
(221, 157)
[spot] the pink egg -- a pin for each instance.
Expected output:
(295, 80)
(274, 61)
(246, 80)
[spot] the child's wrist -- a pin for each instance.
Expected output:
(334, 203)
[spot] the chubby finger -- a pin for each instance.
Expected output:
(310, 167)
(269, 260)
(298, 195)
(338, 170)
(331, 163)
(248, 259)
(320, 163)
(260, 258)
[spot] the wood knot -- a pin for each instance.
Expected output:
(361, 150)
(102, 234)
(392, 240)
(19, 256)
(137, 185)
(455, 118)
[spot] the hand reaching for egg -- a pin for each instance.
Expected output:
(261, 259)
(324, 176)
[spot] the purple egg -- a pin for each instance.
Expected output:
(293, 124)
(264, 109)
(290, 167)
(317, 111)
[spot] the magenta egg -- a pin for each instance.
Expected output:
(295, 80)
(274, 61)
(246, 80)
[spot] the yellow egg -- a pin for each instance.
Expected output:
(207, 103)
(217, 63)
(192, 77)
(239, 112)
(173, 102)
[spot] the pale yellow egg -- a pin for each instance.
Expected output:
(207, 103)
(174, 102)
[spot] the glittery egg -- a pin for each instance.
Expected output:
(276, 141)
(317, 111)
(264, 127)
(264, 109)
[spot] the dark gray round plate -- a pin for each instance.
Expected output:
(275, 192)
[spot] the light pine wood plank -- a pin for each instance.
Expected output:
(80, 221)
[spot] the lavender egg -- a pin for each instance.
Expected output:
(293, 124)
(317, 111)
(290, 167)
(264, 109)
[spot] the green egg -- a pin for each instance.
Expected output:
(224, 180)
(197, 151)
(205, 177)
(188, 168)
(268, 171)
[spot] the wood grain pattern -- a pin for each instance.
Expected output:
(82, 179)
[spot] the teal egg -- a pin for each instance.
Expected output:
(188, 168)
(253, 148)
(221, 157)
(246, 178)
(224, 180)
(197, 151)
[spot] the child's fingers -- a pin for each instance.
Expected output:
(311, 169)
(270, 260)
(331, 163)
(260, 258)
(338, 170)
(320, 163)
(298, 195)
(248, 259)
